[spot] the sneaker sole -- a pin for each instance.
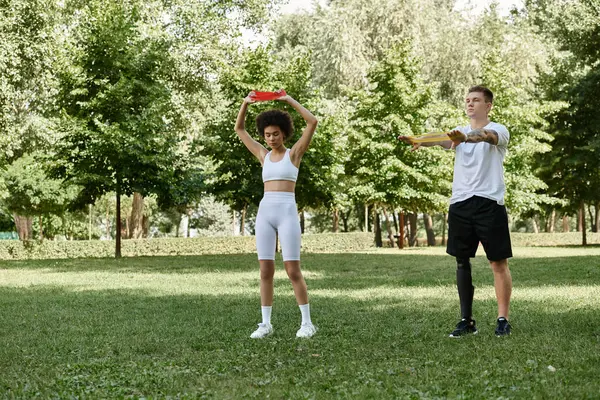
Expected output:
(307, 337)
(262, 337)
(459, 336)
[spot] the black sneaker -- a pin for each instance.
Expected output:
(503, 327)
(463, 328)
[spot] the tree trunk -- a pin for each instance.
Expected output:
(233, 223)
(551, 221)
(108, 235)
(243, 220)
(302, 221)
(388, 226)
(534, 223)
(41, 228)
(597, 224)
(118, 241)
(401, 229)
(146, 226)
(582, 221)
(444, 224)
(366, 218)
(593, 218)
(136, 219)
(178, 224)
(336, 220)
(90, 223)
(127, 230)
(565, 223)
(183, 224)
(345, 216)
(377, 228)
(24, 226)
(189, 218)
(429, 229)
(412, 220)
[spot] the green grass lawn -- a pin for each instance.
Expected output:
(178, 327)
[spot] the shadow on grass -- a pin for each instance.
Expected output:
(115, 344)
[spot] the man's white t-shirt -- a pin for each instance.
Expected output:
(478, 169)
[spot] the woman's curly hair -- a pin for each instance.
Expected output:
(278, 118)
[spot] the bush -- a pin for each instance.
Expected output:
(16, 250)
(316, 243)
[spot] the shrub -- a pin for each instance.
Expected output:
(317, 243)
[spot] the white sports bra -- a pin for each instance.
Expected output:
(282, 170)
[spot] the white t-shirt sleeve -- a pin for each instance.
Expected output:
(503, 135)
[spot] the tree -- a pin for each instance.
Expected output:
(119, 129)
(388, 173)
(27, 192)
(26, 80)
(27, 86)
(572, 168)
(346, 37)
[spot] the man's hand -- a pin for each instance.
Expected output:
(408, 140)
(457, 137)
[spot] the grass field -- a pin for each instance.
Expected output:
(178, 327)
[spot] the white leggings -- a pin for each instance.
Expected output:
(277, 212)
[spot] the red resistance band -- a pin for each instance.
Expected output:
(266, 96)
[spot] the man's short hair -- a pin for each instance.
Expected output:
(487, 93)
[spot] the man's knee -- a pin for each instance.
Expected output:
(499, 266)
(463, 263)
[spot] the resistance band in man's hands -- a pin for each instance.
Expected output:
(266, 96)
(431, 137)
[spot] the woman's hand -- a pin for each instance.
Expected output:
(283, 98)
(249, 99)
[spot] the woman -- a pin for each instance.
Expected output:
(277, 212)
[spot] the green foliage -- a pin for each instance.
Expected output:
(386, 171)
(118, 110)
(27, 79)
(174, 246)
(211, 218)
(229, 245)
(7, 223)
(347, 37)
(572, 168)
(26, 190)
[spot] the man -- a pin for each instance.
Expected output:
(477, 213)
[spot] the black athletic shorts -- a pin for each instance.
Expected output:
(475, 220)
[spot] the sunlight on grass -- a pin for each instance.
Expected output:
(246, 283)
(563, 297)
(156, 284)
(518, 252)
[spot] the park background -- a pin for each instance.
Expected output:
(117, 117)
(116, 139)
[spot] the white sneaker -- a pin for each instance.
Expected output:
(263, 331)
(306, 330)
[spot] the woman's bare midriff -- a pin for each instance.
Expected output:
(280, 186)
